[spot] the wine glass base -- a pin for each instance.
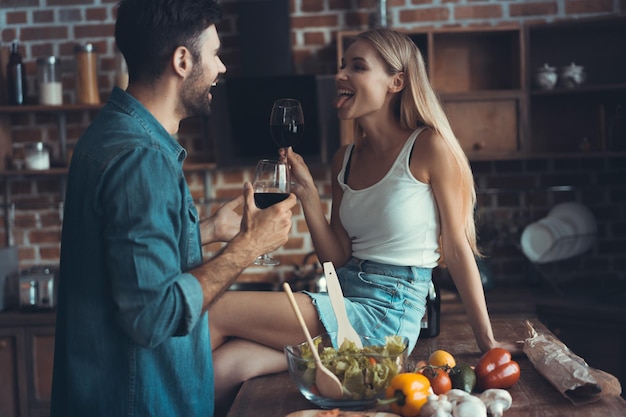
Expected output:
(266, 260)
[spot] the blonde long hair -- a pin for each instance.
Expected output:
(419, 105)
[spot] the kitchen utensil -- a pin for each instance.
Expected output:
(327, 383)
(344, 328)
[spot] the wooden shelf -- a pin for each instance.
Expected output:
(484, 76)
(39, 108)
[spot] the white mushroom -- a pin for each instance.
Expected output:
(436, 407)
(470, 406)
(497, 401)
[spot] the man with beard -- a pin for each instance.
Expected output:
(132, 333)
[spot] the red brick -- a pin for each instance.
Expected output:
(294, 243)
(70, 15)
(357, 19)
(8, 35)
(434, 14)
(50, 219)
(339, 4)
(25, 254)
(533, 9)
(367, 4)
(94, 31)
(478, 12)
(69, 2)
(314, 38)
(41, 236)
(588, 6)
(16, 18)
(301, 226)
(227, 194)
(301, 55)
(47, 33)
(24, 220)
(311, 6)
(314, 21)
(97, 14)
(232, 177)
(50, 254)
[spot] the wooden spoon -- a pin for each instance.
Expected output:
(344, 327)
(327, 383)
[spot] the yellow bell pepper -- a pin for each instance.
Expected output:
(407, 393)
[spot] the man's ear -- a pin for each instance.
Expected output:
(398, 83)
(182, 61)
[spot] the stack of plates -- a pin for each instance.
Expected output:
(568, 230)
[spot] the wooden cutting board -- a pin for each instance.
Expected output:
(315, 413)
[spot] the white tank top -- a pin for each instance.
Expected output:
(394, 221)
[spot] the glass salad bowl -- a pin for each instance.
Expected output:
(365, 374)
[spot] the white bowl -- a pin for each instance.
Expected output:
(567, 231)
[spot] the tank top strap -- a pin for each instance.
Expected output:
(404, 157)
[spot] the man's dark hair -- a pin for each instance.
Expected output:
(147, 32)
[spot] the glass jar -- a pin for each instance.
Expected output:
(86, 74)
(49, 81)
(37, 156)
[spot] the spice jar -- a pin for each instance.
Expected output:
(86, 74)
(49, 81)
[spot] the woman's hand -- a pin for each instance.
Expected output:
(224, 224)
(515, 348)
(300, 174)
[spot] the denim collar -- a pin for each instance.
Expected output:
(133, 107)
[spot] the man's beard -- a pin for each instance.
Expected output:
(195, 95)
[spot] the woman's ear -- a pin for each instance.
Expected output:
(397, 83)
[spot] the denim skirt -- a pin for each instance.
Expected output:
(381, 300)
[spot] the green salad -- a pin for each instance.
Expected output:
(364, 373)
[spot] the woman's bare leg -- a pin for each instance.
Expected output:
(248, 333)
(237, 361)
(265, 317)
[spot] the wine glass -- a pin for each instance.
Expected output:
(271, 185)
(286, 122)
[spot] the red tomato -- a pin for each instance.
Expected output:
(439, 379)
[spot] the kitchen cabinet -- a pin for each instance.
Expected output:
(26, 361)
(485, 79)
(592, 116)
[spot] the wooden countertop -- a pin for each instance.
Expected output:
(276, 396)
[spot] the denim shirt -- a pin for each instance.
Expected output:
(131, 337)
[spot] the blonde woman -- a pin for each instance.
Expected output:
(403, 199)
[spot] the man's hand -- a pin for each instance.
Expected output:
(268, 228)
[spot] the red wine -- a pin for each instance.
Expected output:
(287, 135)
(264, 200)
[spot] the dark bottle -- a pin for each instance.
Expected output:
(16, 76)
(430, 321)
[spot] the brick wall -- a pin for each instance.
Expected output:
(512, 193)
